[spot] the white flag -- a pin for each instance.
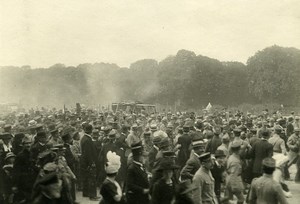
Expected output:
(208, 107)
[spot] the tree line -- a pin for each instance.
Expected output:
(186, 79)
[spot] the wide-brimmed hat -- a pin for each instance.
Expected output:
(168, 165)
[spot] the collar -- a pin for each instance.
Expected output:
(196, 155)
(88, 135)
(138, 163)
(41, 144)
(155, 147)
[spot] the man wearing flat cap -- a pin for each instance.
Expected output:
(265, 189)
(204, 182)
(137, 178)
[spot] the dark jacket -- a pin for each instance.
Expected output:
(108, 191)
(260, 150)
(151, 157)
(185, 141)
(88, 152)
(191, 167)
(162, 193)
(137, 181)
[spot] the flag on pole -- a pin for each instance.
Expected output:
(208, 107)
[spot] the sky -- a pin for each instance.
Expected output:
(41, 33)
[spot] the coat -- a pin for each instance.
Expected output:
(88, 152)
(260, 150)
(185, 141)
(191, 167)
(137, 181)
(108, 191)
(151, 157)
(265, 190)
(204, 194)
(36, 149)
(234, 169)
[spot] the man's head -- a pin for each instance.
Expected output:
(220, 156)
(206, 160)
(268, 165)
(41, 137)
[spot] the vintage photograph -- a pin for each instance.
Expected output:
(149, 102)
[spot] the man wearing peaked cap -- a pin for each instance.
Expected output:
(204, 181)
(217, 171)
(193, 163)
(153, 152)
(225, 144)
(265, 189)
(137, 177)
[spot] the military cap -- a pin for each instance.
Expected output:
(48, 179)
(219, 153)
(153, 127)
(269, 162)
(6, 136)
(66, 136)
(170, 125)
(186, 128)
(237, 131)
(205, 156)
(169, 154)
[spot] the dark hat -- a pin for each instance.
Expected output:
(269, 162)
(52, 128)
(88, 128)
(49, 179)
(41, 134)
(19, 136)
(137, 149)
(185, 187)
(164, 142)
(147, 133)
(197, 142)
(38, 127)
(219, 153)
(237, 131)
(66, 136)
(186, 128)
(167, 165)
(204, 157)
(6, 136)
(169, 154)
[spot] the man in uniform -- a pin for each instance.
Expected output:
(204, 182)
(137, 178)
(294, 146)
(234, 182)
(265, 189)
(277, 142)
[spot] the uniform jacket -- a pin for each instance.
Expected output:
(191, 167)
(204, 194)
(137, 181)
(234, 170)
(265, 190)
(278, 144)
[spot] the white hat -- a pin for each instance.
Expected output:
(114, 163)
(280, 159)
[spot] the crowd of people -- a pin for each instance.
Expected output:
(48, 156)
